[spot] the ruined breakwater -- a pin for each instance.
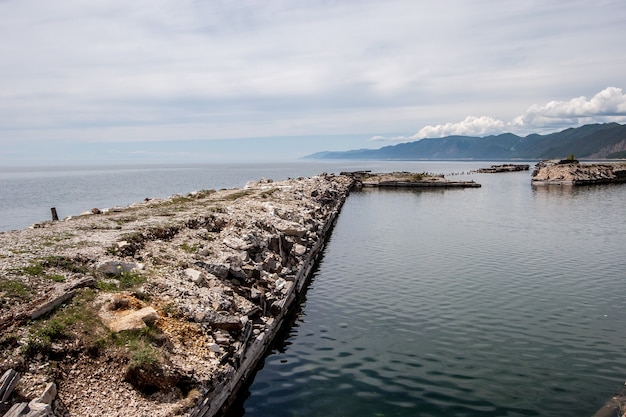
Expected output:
(572, 172)
(161, 308)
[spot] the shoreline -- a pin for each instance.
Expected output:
(163, 307)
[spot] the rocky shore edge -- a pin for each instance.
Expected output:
(163, 308)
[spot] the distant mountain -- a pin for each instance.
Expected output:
(596, 141)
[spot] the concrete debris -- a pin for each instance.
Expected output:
(218, 272)
(572, 172)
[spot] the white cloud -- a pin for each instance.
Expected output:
(378, 138)
(470, 126)
(607, 105)
(115, 71)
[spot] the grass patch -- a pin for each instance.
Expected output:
(123, 281)
(15, 289)
(141, 345)
(33, 270)
(67, 264)
(61, 262)
(56, 278)
(189, 248)
(76, 319)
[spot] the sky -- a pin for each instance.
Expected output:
(221, 80)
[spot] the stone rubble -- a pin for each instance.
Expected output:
(161, 308)
(572, 172)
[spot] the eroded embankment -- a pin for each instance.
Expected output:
(162, 308)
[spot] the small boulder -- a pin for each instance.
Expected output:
(135, 320)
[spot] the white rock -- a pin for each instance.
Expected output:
(280, 283)
(299, 249)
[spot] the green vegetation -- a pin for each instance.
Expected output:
(33, 270)
(125, 280)
(38, 268)
(74, 320)
(67, 264)
(56, 278)
(15, 290)
(140, 345)
(190, 248)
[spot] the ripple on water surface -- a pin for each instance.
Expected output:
(459, 303)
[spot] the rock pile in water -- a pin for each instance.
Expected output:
(572, 172)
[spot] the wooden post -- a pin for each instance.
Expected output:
(55, 217)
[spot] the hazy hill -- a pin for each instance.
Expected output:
(589, 141)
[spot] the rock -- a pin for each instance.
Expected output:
(38, 407)
(116, 267)
(237, 273)
(8, 381)
(255, 294)
(298, 249)
(50, 304)
(571, 172)
(251, 271)
(195, 276)
(237, 244)
(271, 265)
(134, 320)
(280, 284)
(18, 410)
(293, 230)
(223, 321)
(504, 168)
(220, 271)
(48, 395)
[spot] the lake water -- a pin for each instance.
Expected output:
(27, 194)
(505, 300)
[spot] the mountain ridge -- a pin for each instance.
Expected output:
(592, 141)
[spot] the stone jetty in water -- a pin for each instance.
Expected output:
(161, 308)
(495, 169)
(165, 307)
(406, 180)
(572, 172)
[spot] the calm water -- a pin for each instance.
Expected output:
(27, 194)
(499, 301)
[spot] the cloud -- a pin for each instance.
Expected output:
(159, 70)
(378, 138)
(609, 105)
(471, 126)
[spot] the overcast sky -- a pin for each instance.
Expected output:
(342, 74)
